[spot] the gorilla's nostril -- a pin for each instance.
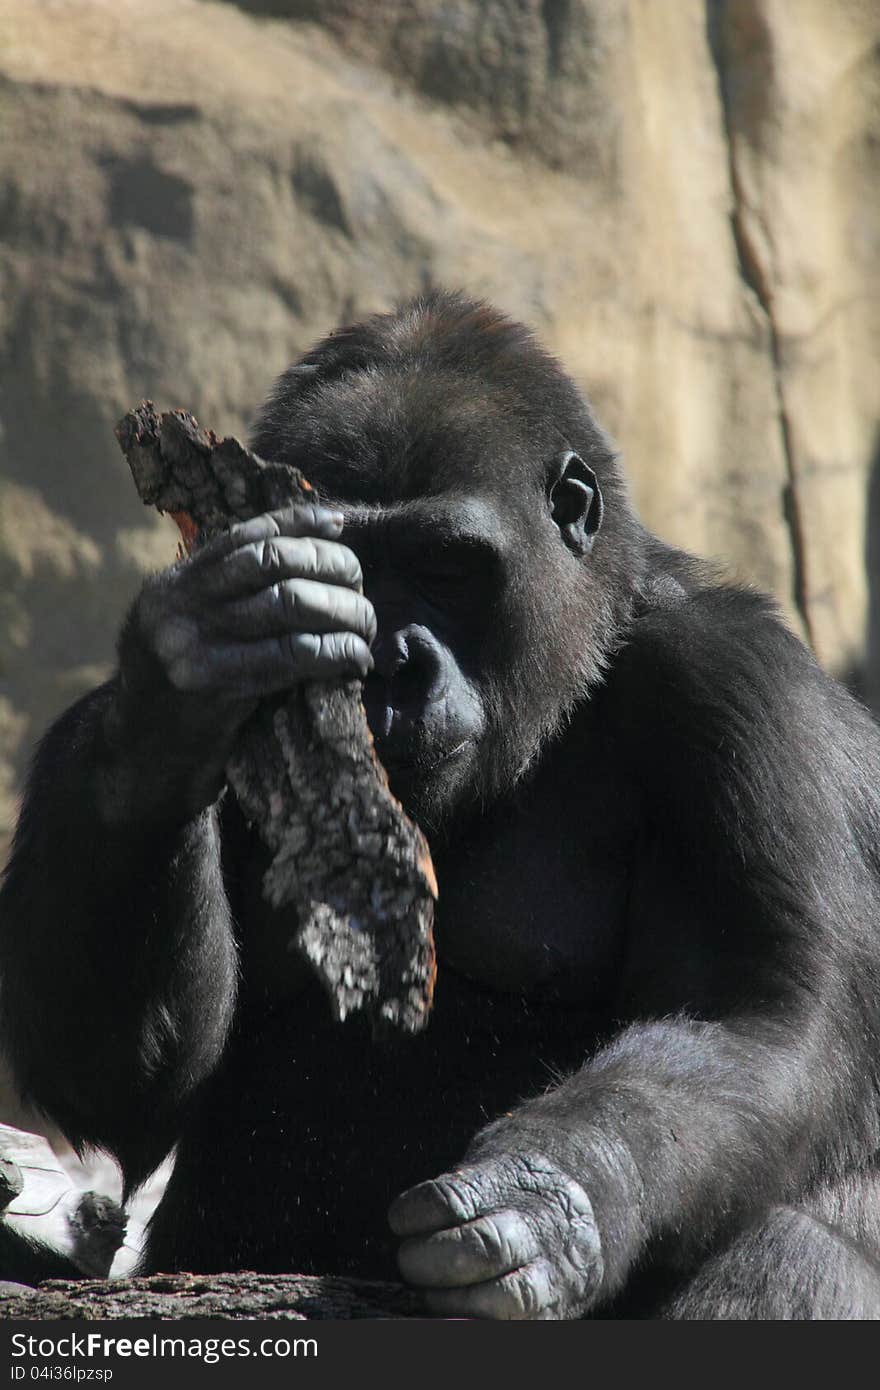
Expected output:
(390, 654)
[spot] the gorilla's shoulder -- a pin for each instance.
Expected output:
(687, 619)
(715, 666)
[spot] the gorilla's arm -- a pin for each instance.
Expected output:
(116, 945)
(118, 960)
(753, 935)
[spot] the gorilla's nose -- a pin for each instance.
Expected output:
(408, 676)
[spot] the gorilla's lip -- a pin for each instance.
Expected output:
(401, 762)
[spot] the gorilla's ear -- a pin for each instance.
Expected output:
(575, 501)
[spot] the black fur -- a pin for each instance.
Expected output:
(655, 1042)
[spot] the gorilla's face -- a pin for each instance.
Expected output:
(477, 656)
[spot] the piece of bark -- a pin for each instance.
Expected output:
(234, 1297)
(356, 870)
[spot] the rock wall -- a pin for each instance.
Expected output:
(681, 197)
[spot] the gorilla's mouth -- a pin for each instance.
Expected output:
(410, 763)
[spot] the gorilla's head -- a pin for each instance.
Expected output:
(489, 514)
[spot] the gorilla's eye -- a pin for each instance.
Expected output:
(442, 579)
(456, 573)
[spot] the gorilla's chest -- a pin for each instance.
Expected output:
(534, 898)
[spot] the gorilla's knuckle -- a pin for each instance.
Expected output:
(368, 622)
(288, 599)
(173, 636)
(576, 1205)
(310, 517)
(351, 567)
(461, 1194)
(268, 554)
(494, 1242)
(445, 1195)
(349, 649)
(289, 519)
(569, 1213)
(555, 1202)
(334, 609)
(522, 1295)
(308, 557)
(309, 649)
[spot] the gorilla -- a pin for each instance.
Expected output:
(649, 1087)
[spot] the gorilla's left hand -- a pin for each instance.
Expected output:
(506, 1237)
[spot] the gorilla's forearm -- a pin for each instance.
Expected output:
(679, 1129)
(116, 949)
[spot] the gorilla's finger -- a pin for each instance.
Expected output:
(304, 605)
(469, 1254)
(307, 519)
(434, 1205)
(250, 670)
(525, 1293)
(261, 563)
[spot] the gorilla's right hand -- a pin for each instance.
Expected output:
(272, 602)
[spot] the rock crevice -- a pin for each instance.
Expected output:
(756, 275)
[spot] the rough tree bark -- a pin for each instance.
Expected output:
(229, 1296)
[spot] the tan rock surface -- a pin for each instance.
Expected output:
(687, 212)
